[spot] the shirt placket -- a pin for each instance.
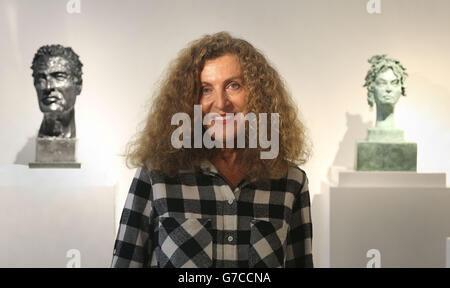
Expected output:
(229, 251)
(230, 222)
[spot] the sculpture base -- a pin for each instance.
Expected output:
(379, 156)
(385, 135)
(69, 165)
(55, 152)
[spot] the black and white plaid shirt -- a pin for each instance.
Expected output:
(196, 220)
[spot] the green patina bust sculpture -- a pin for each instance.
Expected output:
(385, 82)
(385, 148)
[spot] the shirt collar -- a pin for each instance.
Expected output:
(207, 167)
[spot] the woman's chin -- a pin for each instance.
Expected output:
(224, 139)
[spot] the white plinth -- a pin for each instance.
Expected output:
(447, 261)
(403, 215)
(44, 213)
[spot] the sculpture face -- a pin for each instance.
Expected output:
(387, 88)
(55, 85)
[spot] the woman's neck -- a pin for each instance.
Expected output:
(230, 166)
(227, 156)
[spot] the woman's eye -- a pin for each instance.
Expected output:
(234, 86)
(206, 90)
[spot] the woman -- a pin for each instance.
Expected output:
(219, 207)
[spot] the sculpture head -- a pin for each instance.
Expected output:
(385, 81)
(57, 78)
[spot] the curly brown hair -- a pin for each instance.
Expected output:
(180, 91)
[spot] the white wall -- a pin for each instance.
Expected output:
(320, 47)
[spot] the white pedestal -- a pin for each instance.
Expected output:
(44, 213)
(447, 258)
(403, 215)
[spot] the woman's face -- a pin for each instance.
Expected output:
(222, 92)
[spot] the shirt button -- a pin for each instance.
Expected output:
(230, 201)
(230, 238)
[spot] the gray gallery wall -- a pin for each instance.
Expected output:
(320, 47)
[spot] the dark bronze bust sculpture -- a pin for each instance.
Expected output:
(57, 79)
(57, 74)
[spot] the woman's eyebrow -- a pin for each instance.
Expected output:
(234, 78)
(226, 80)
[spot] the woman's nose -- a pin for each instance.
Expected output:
(221, 100)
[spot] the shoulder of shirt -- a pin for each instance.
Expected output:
(297, 174)
(143, 174)
(146, 174)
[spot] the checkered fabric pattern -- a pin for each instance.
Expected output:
(184, 243)
(195, 219)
